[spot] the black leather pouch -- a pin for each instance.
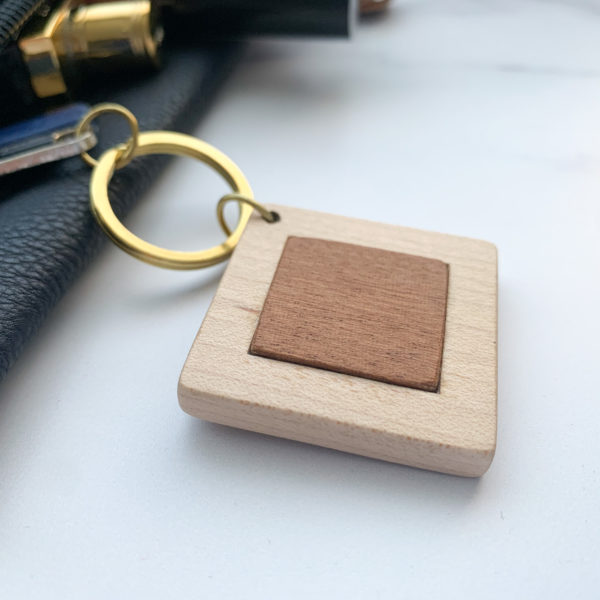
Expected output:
(47, 233)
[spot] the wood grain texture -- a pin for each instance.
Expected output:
(357, 310)
(453, 431)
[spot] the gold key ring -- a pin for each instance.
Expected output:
(126, 150)
(168, 142)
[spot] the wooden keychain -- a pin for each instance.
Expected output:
(359, 336)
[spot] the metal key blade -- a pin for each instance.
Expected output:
(69, 145)
(44, 139)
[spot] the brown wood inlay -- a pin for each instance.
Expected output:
(357, 310)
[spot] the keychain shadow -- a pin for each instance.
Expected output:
(205, 285)
(314, 470)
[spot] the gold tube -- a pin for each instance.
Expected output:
(109, 33)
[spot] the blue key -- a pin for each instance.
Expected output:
(44, 139)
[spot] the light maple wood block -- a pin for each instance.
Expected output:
(452, 431)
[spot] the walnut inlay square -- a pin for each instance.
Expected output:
(362, 311)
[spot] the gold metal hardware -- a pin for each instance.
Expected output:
(127, 149)
(268, 215)
(166, 142)
(75, 35)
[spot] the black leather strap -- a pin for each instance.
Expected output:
(47, 234)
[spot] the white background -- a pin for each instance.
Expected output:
(475, 118)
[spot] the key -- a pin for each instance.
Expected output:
(47, 138)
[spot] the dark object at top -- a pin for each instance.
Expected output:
(271, 17)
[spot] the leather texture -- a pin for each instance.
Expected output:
(47, 233)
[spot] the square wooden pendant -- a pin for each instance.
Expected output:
(363, 337)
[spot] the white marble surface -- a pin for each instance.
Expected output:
(475, 118)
